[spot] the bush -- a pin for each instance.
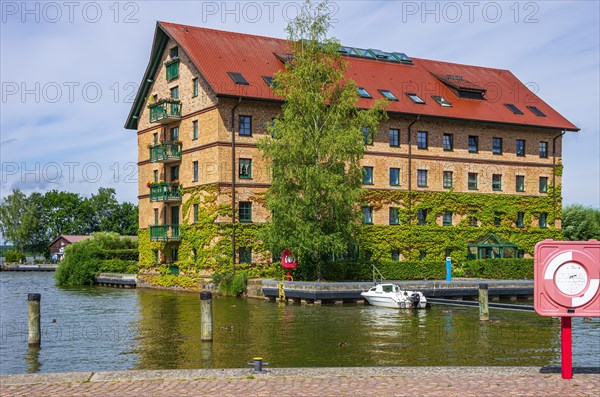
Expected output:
(119, 266)
(86, 258)
(505, 269)
(230, 282)
(391, 270)
(14, 256)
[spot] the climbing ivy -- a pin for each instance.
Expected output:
(411, 239)
(211, 239)
(207, 237)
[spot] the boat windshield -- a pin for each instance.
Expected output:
(387, 288)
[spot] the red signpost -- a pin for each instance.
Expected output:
(288, 261)
(567, 284)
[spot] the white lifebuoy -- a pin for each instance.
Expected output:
(567, 279)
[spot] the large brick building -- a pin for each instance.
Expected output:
(466, 151)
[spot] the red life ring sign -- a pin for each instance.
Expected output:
(567, 278)
(288, 261)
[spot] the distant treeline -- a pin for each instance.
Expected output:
(31, 222)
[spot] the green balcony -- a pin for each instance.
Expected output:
(165, 192)
(164, 233)
(165, 152)
(166, 111)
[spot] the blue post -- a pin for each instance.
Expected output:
(448, 269)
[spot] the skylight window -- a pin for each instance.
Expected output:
(536, 111)
(363, 93)
(347, 50)
(380, 54)
(268, 80)
(513, 108)
(238, 78)
(415, 98)
(401, 57)
(440, 99)
(364, 53)
(388, 95)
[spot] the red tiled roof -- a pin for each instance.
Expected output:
(217, 52)
(73, 239)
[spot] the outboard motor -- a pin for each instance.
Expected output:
(415, 298)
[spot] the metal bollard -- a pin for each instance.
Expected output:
(257, 364)
(484, 309)
(206, 320)
(34, 336)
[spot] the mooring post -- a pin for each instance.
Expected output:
(34, 335)
(206, 320)
(484, 309)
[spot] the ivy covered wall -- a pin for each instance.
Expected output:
(210, 241)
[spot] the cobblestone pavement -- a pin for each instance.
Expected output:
(318, 382)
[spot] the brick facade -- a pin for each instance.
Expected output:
(212, 151)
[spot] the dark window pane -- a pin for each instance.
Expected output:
(473, 144)
(422, 178)
(520, 147)
(368, 175)
(447, 179)
(394, 137)
(448, 142)
(245, 125)
(394, 176)
(245, 211)
(422, 139)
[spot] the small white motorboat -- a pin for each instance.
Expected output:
(390, 295)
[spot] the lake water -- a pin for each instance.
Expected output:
(100, 329)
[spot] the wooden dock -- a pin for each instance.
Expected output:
(117, 280)
(317, 293)
(24, 267)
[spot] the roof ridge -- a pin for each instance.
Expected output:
(221, 31)
(460, 64)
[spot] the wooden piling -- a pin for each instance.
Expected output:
(34, 335)
(484, 309)
(206, 321)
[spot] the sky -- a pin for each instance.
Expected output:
(70, 70)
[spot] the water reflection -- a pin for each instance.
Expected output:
(100, 329)
(32, 358)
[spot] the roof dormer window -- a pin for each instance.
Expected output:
(415, 98)
(443, 102)
(238, 78)
(536, 111)
(363, 93)
(388, 95)
(513, 108)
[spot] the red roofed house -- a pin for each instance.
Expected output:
(467, 151)
(59, 244)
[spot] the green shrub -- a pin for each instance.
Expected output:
(86, 258)
(230, 282)
(14, 256)
(391, 270)
(506, 269)
(119, 266)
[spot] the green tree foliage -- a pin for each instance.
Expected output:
(18, 220)
(581, 223)
(103, 252)
(316, 146)
(32, 222)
